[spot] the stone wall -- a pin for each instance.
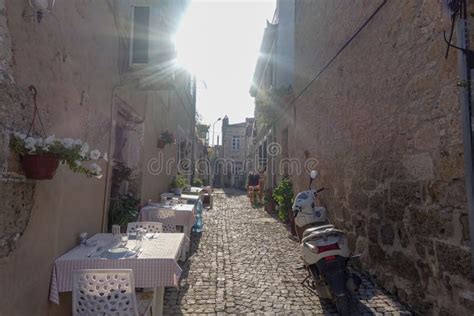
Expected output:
(384, 122)
(74, 68)
(16, 193)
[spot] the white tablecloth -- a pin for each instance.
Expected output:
(182, 214)
(191, 198)
(195, 189)
(156, 266)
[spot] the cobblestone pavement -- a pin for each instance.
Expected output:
(244, 263)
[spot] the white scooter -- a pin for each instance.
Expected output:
(325, 251)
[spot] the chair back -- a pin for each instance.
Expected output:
(104, 292)
(166, 218)
(151, 227)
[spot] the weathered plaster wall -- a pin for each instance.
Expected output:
(384, 123)
(170, 110)
(71, 59)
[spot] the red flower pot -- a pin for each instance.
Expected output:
(39, 167)
(161, 143)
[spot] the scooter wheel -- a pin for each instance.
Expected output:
(343, 304)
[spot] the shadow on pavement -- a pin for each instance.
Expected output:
(177, 294)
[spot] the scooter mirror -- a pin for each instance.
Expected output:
(314, 174)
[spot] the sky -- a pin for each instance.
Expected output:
(219, 41)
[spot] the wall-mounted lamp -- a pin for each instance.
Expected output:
(41, 7)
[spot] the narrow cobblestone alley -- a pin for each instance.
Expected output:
(244, 263)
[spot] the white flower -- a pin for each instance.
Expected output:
(105, 157)
(78, 142)
(95, 169)
(30, 143)
(84, 150)
(41, 143)
(67, 142)
(95, 154)
(20, 135)
(78, 163)
(50, 140)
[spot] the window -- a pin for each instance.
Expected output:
(238, 166)
(140, 36)
(235, 142)
(262, 155)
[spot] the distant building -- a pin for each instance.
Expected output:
(233, 156)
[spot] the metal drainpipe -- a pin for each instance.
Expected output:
(467, 129)
(193, 127)
(108, 171)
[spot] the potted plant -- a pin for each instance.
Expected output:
(283, 195)
(269, 201)
(178, 184)
(40, 157)
(197, 182)
(124, 209)
(166, 138)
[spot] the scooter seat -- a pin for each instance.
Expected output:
(311, 230)
(324, 230)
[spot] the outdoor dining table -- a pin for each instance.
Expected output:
(196, 190)
(155, 267)
(190, 198)
(182, 214)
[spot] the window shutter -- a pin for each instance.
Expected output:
(140, 36)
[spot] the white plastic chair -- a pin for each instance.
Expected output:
(105, 292)
(166, 218)
(151, 227)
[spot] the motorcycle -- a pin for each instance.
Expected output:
(325, 250)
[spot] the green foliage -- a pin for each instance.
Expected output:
(179, 181)
(120, 173)
(283, 195)
(123, 210)
(202, 130)
(168, 137)
(265, 111)
(268, 200)
(197, 182)
(267, 104)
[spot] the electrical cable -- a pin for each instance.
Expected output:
(316, 77)
(339, 52)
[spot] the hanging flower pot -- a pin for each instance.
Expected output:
(40, 156)
(166, 138)
(161, 143)
(40, 167)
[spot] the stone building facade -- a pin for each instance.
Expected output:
(272, 88)
(90, 86)
(376, 108)
(232, 163)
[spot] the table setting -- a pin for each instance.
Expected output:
(181, 214)
(153, 257)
